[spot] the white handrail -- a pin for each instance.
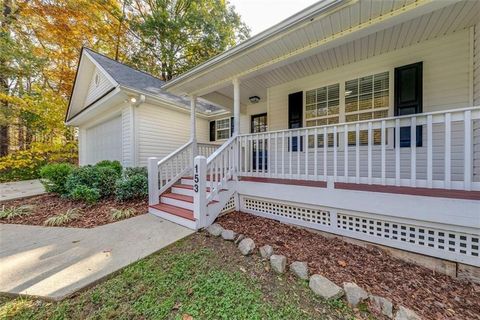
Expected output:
(221, 149)
(164, 173)
(375, 151)
(475, 110)
(221, 166)
(174, 153)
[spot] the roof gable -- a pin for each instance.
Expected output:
(97, 75)
(91, 84)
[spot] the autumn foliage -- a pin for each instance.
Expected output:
(40, 43)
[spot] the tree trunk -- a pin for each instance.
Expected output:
(4, 27)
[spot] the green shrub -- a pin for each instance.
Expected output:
(26, 164)
(102, 179)
(115, 165)
(54, 177)
(130, 171)
(84, 193)
(132, 187)
(105, 181)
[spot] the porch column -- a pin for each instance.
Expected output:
(193, 124)
(236, 106)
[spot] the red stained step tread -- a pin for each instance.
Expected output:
(176, 211)
(186, 186)
(177, 196)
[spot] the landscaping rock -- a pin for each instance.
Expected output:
(354, 293)
(300, 269)
(266, 251)
(228, 235)
(382, 305)
(215, 230)
(246, 246)
(324, 287)
(406, 314)
(278, 263)
(239, 238)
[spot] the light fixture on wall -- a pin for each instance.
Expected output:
(133, 99)
(254, 99)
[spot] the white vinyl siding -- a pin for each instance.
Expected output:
(476, 101)
(476, 66)
(128, 141)
(446, 85)
(161, 130)
(99, 85)
(103, 141)
(446, 80)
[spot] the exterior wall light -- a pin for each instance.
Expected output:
(254, 99)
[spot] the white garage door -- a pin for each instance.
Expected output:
(104, 141)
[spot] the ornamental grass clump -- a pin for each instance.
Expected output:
(119, 214)
(13, 212)
(64, 218)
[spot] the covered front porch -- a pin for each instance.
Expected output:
(358, 118)
(364, 94)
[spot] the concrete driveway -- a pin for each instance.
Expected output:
(54, 262)
(20, 189)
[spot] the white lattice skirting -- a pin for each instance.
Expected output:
(230, 205)
(409, 235)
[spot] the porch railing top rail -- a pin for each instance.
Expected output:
(475, 115)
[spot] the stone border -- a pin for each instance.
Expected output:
(320, 285)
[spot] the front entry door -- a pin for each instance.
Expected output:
(409, 98)
(259, 124)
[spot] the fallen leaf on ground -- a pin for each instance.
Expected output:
(342, 263)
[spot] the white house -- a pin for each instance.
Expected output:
(367, 126)
(122, 114)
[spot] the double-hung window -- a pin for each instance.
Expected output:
(367, 98)
(322, 107)
(223, 128)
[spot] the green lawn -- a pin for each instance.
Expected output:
(201, 277)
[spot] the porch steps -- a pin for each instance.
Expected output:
(176, 204)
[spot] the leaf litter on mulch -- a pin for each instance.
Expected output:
(92, 215)
(431, 294)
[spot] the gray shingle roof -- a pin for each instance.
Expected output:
(141, 81)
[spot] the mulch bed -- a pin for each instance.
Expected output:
(48, 205)
(432, 295)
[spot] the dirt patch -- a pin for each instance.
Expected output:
(48, 205)
(431, 295)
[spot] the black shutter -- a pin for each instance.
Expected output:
(409, 98)
(295, 118)
(212, 130)
(231, 126)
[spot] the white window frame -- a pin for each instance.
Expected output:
(223, 129)
(342, 114)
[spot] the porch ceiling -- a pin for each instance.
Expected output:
(452, 18)
(349, 32)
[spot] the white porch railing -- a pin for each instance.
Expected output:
(372, 152)
(162, 174)
(206, 149)
(217, 170)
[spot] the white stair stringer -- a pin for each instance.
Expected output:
(215, 208)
